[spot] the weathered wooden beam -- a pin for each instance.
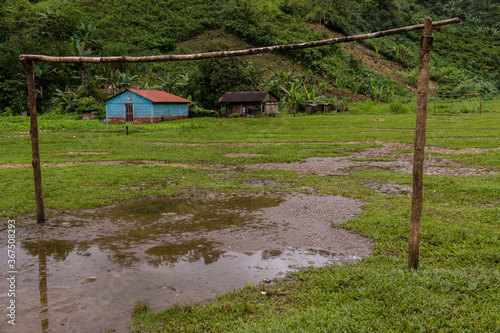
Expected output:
(458, 95)
(35, 150)
(419, 144)
(222, 54)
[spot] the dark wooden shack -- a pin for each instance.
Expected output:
(250, 103)
(318, 108)
(90, 114)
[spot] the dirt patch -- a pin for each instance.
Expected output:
(234, 144)
(388, 188)
(244, 155)
(371, 59)
(267, 183)
(380, 158)
(135, 163)
(459, 151)
(82, 153)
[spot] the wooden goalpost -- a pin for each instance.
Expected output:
(28, 61)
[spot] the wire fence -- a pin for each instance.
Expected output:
(459, 95)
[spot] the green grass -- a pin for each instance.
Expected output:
(456, 289)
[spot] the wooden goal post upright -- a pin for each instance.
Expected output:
(419, 143)
(35, 148)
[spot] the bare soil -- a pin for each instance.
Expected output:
(382, 158)
(372, 59)
(82, 153)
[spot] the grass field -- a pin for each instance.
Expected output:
(456, 289)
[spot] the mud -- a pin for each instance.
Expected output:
(84, 270)
(71, 153)
(381, 158)
(135, 163)
(387, 188)
(244, 155)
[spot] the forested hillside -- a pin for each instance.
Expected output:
(465, 58)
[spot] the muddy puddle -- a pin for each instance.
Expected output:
(84, 270)
(384, 158)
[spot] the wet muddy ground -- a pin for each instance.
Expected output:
(84, 270)
(381, 158)
(384, 157)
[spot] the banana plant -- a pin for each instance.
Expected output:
(65, 99)
(310, 95)
(169, 83)
(324, 87)
(78, 47)
(126, 80)
(118, 81)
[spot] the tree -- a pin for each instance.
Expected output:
(216, 76)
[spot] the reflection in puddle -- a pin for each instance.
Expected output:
(87, 278)
(191, 251)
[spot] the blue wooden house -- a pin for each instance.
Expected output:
(145, 106)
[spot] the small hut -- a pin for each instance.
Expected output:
(321, 108)
(90, 114)
(250, 103)
(145, 106)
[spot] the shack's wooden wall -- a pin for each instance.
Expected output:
(271, 108)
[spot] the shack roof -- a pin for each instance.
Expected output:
(156, 96)
(245, 96)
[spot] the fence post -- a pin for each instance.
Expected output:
(35, 149)
(435, 103)
(480, 103)
(419, 143)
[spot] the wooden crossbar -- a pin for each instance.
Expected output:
(222, 54)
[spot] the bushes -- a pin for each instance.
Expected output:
(199, 113)
(398, 107)
(371, 107)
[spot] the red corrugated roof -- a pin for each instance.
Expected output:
(159, 96)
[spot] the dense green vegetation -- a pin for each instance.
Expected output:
(465, 58)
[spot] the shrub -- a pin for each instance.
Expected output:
(199, 113)
(398, 107)
(234, 115)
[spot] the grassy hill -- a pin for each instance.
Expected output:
(465, 56)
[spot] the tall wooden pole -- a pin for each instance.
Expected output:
(435, 103)
(419, 141)
(35, 150)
